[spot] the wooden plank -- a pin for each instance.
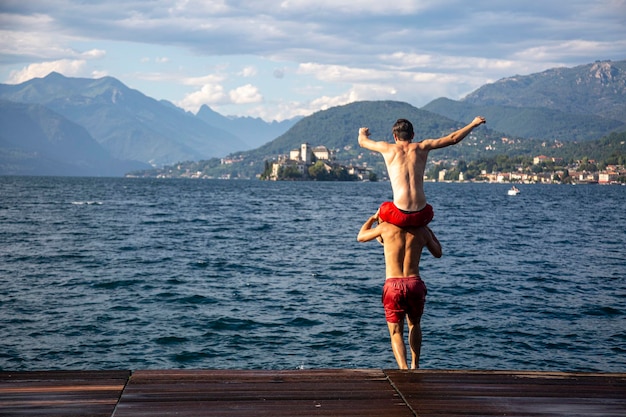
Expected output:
(324, 392)
(496, 393)
(61, 393)
(261, 393)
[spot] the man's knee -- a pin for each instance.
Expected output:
(395, 328)
(414, 319)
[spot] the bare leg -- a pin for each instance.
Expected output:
(397, 343)
(415, 341)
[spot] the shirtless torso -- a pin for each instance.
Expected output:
(405, 165)
(402, 247)
(406, 162)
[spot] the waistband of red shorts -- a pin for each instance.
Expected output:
(406, 278)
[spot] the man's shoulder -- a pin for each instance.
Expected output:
(400, 147)
(377, 145)
(387, 227)
(422, 145)
(418, 232)
(392, 229)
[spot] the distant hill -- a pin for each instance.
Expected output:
(530, 122)
(127, 123)
(598, 88)
(37, 141)
(568, 104)
(337, 127)
(253, 131)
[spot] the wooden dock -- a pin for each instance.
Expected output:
(323, 392)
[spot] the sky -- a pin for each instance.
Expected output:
(277, 59)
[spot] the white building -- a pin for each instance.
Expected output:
(323, 153)
(307, 154)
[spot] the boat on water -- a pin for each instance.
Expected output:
(513, 191)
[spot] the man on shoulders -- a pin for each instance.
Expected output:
(406, 162)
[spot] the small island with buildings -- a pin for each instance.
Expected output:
(313, 163)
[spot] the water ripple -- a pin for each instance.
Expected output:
(231, 274)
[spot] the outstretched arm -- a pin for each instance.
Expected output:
(367, 143)
(454, 137)
(368, 232)
(433, 245)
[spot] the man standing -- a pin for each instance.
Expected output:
(404, 292)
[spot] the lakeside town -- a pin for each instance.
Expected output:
(544, 170)
(317, 163)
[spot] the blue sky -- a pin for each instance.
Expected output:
(278, 59)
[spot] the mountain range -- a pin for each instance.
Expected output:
(127, 127)
(74, 126)
(36, 141)
(567, 104)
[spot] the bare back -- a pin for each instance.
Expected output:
(405, 165)
(403, 249)
(406, 162)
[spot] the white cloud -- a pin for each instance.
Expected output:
(564, 50)
(336, 51)
(281, 111)
(21, 20)
(403, 59)
(157, 60)
(210, 94)
(285, 109)
(213, 93)
(99, 74)
(325, 102)
(94, 54)
(33, 44)
(199, 6)
(355, 6)
(204, 80)
(249, 71)
(341, 73)
(394, 83)
(69, 68)
(245, 94)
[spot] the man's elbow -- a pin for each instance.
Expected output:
(364, 237)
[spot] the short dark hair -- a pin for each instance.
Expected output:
(403, 130)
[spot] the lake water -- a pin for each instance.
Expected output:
(115, 273)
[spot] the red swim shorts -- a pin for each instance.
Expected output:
(402, 296)
(390, 213)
